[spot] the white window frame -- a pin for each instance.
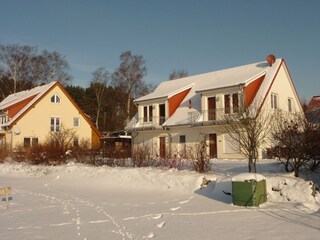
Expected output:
(78, 121)
(149, 113)
(55, 127)
(231, 103)
(32, 140)
(274, 100)
(290, 104)
(55, 98)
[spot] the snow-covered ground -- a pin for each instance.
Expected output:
(76, 201)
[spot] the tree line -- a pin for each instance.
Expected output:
(108, 100)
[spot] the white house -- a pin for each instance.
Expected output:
(178, 111)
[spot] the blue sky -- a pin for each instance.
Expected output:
(198, 36)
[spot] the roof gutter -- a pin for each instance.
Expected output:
(212, 89)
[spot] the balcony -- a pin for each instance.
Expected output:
(194, 118)
(211, 117)
(146, 123)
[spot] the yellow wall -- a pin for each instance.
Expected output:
(36, 123)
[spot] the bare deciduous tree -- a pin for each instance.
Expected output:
(23, 65)
(249, 130)
(129, 77)
(63, 138)
(16, 60)
(297, 142)
(100, 78)
(176, 74)
(50, 66)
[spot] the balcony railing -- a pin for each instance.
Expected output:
(153, 122)
(206, 117)
(211, 116)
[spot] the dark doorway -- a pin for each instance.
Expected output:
(212, 108)
(213, 145)
(162, 147)
(162, 113)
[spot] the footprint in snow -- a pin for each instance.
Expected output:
(158, 216)
(150, 235)
(175, 209)
(161, 225)
(188, 200)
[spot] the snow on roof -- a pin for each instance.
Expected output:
(212, 80)
(236, 76)
(20, 96)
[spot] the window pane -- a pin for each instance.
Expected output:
(226, 104)
(150, 113)
(289, 105)
(182, 139)
(235, 102)
(57, 99)
(145, 114)
(26, 142)
(76, 122)
(53, 98)
(75, 142)
(34, 142)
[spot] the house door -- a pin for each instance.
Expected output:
(211, 108)
(162, 147)
(213, 145)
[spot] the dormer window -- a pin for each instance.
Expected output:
(3, 119)
(147, 113)
(231, 103)
(55, 99)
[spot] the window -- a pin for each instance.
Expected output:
(147, 113)
(162, 113)
(55, 123)
(183, 146)
(231, 103)
(226, 104)
(55, 99)
(182, 138)
(235, 102)
(26, 142)
(2, 119)
(30, 142)
(150, 113)
(274, 101)
(76, 142)
(76, 122)
(289, 104)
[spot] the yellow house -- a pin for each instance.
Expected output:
(28, 117)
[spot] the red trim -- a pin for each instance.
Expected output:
(251, 90)
(15, 108)
(176, 100)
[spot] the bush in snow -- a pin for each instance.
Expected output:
(4, 152)
(298, 145)
(199, 155)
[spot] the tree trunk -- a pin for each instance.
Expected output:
(128, 107)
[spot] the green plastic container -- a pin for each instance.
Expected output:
(249, 190)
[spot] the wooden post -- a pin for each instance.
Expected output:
(6, 192)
